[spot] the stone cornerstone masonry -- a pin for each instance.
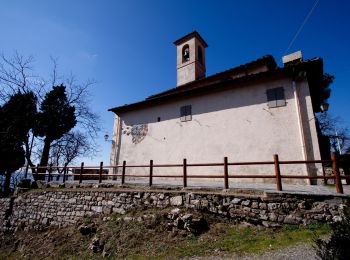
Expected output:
(67, 206)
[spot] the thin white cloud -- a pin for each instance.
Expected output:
(86, 56)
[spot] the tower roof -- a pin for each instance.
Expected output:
(193, 34)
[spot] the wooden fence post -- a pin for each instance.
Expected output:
(100, 176)
(81, 172)
(37, 171)
(324, 175)
(150, 172)
(226, 173)
(64, 172)
(277, 172)
(335, 168)
(123, 172)
(185, 173)
(50, 171)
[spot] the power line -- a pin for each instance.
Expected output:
(302, 26)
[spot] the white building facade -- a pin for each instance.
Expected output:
(247, 113)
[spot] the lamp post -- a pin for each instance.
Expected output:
(337, 138)
(106, 137)
(324, 108)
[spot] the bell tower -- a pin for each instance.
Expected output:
(190, 51)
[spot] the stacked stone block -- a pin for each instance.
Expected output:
(66, 207)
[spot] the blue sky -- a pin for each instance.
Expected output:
(127, 46)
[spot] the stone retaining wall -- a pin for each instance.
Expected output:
(67, 206)
(5, 206)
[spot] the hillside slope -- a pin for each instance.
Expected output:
(169, 233)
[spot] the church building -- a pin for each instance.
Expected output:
(246, 113)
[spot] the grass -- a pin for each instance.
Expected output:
(249, 240)
(223, 238)
(151, 240)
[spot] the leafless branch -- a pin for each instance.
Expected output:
(17, 74)
(335, 130)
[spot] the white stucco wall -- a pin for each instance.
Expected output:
(236, 123)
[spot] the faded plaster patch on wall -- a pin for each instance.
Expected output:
(126, 130)
(138, 132)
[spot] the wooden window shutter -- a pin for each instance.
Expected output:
(280, 99)
(188, 113)
(271, 98)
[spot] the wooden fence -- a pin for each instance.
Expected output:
(49, 171)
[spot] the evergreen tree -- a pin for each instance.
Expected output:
(56, 117)
(17, 117)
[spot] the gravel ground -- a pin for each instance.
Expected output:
(299, 251)
(296, 252)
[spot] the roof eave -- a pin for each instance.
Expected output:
(314, 65)
(191, 35)
(215, 87)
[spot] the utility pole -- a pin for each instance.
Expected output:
(337, 138)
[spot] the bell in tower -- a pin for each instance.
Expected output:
(190, 58)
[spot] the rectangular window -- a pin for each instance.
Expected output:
(275, 97)
(186, 113)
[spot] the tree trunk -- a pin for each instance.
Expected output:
(7, 183)
(28, 151)
(44, 159)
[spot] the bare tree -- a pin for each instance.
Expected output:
(71, 146)
(17, 73)
(333, 128)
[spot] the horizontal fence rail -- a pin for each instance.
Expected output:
(100, 172)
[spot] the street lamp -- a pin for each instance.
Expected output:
(106, 137)
(114, 169)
